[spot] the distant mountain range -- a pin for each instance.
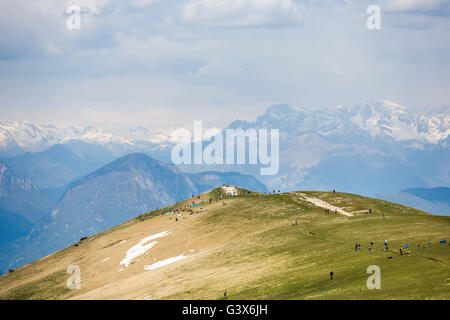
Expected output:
(371, 148)
(377, 147)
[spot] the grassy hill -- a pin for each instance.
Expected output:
(251, 249)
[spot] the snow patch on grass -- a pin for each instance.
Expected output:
(164, 263)
(142, 247)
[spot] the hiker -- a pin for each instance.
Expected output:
(401, 251)
(359, 246)
(429, 243)
(418, 245)
(370, 250)
(370, 211)
(384, 215)
(335, 211)
(356, 247)
(331, 275)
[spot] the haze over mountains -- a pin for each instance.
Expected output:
(385, 146)
(374, 147)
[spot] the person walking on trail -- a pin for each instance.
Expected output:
(331, 275)
(429, 243)
(370, 250)
(335, 211)
(356, 247)
(384, 215)
(418, 245)
(401, 250)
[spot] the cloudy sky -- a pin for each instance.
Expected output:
(158, 63)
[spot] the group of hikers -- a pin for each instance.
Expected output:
(386, 248)
(178, 212)
(187, 208)
(401, 249)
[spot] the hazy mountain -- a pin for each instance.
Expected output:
(51, 168)
(13, 226)
(117, 192)
(20, 196)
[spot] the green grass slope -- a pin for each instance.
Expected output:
(259, 254)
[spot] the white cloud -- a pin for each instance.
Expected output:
(242, 13)
(413, 5)
(91, 6)
(142, 3)
(164, 62)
